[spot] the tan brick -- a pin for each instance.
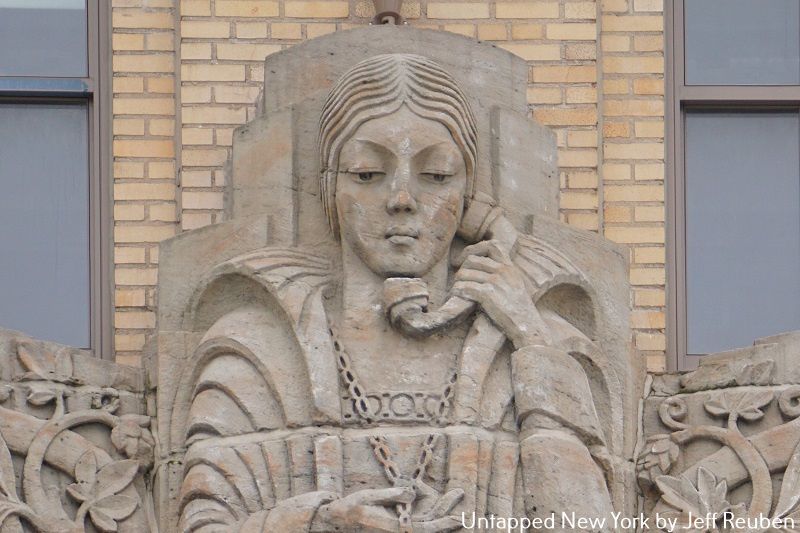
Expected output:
(161, 170)
(648, 43)
(143, 63)
(246, 8)
(633, 23)
(649, 213)
(587, 221)
(214, 115)
(565, 74)
(544, 95)
(527, 31)
(137, 234)
(575, 31)
(129, 254)
(651, 341)
(613, 108)
(201, 200)
(614, 6)
(128, 85)
(320, 9)
(616, 172)
(251, 30)
(584, 116)
(534, 52)
(634, 193)
(284, 30)
(162, 127)
(200, 136)
(144, 191)
(136, 276)
(144, 148)
(318, 30)
(577, 158)
(634, 151)
(128, 169)
(246, 51)
(204, 157)
(649, 297)
(492, 32)
(616, 130)
(649, 171)
(144, 106)
(633, 65)
(578, 200)
(163, 41)
(196, 178)
(193, 94)
(459, 10)
(654, 128)
(615, 86)
(196, 8)
(616, 214)
(615, 43)
(129, 297)
(195, 220)
(128, 126)
(582, 139)
(199, 72)
(127, 41)
(524, 10)
(633, 235)
(580, 10)
(230, 94)
(129, 343)
(196, 51)
(467, 30)
(217, 29)
(648, 86)
(134, 319)
(136, 18)
(582, 180)
(647, 276)
(656, 6)
(162, 212)
(581, 51)
(581, 95)
(656, 363)
(648, 319)
(128, 212)
(161, 84)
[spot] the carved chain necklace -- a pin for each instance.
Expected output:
(380, 447)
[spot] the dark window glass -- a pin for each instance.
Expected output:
(742, 42)
(43, 38)
(44, 234)
(742, 227)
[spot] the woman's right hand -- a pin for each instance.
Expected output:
(365, 510)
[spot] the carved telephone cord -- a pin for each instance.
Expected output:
(406, 299)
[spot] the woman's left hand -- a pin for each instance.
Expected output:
(488, 277)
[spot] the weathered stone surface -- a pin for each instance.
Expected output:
(728, 441)
(368, 354)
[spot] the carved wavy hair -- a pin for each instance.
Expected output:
(379, 86)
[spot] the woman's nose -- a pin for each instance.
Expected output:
(401, 200)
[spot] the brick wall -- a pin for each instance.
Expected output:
(596, 78)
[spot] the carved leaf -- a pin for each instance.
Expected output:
(41, 396)
(38, 362)
(7, 479)
(63, 364)
(114, 477)
(675, 492)
(76, 491)
(751, 403)
(5, 393)
(102, 521)
(790, 489)
(718, 406)
(86, 471)
(117, 507)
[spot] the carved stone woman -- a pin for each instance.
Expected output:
(405, 377)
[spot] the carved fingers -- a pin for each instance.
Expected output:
(363, 510)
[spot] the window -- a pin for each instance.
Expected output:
(54, 267)
(733, 178)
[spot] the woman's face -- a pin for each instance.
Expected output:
(400, 193)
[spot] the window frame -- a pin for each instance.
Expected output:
(679, 98)
(95, 91)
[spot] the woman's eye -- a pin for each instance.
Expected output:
(437, 177)
(367, 176)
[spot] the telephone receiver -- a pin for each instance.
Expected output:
(406, 299)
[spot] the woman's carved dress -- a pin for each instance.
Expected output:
(273, 434)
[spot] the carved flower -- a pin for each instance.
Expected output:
(132, 438)
(98, 491)
(708, 498)
(656, 459)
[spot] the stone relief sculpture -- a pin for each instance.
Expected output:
(394, 333)
(723, 442)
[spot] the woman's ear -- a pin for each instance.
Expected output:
(478, 215)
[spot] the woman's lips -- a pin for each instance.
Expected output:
(401, 235)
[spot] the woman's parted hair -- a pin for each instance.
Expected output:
(377, 87)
